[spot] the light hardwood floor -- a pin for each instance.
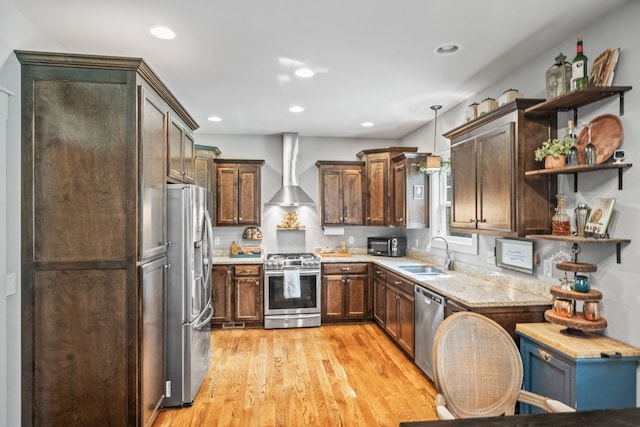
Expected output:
(341, 375)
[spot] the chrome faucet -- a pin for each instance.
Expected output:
(447, 259)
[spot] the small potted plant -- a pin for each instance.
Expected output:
(553, 152)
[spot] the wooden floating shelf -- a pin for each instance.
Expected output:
(576, 169)
(577, 267)
(577, 239)
(579, 98)
(592, 295)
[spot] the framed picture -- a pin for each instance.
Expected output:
(515, 254)
(600, 217)
(418, 191)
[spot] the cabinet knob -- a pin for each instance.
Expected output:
(257, 282)
(472, 220)
(239, 218)
(345, 269)
(544, 355)
(483, 220)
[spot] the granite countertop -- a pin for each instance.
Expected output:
(468, 285)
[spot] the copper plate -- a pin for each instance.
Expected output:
(606, 134)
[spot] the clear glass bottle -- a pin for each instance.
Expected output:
(560, 222)
(558, 77)
(579, 76)
(572, 156)
(589, 151)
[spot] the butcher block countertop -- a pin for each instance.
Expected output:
(589, 346)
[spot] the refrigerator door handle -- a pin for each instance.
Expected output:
(204, 318)
(207, 256)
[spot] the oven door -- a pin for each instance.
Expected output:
(276, 302)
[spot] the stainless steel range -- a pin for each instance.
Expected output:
(291, 291)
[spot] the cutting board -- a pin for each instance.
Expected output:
(591, 345)
(335, 254)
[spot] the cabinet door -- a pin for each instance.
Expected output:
(391, 309)
(152, 349)
(248, 195)
(333, 296)
(377, 182)
(399, 208)
(356, 286)
(189, 155)
(406, 321)
(495, 171)
(226, 195)
(379, 288)
(352, 197)
(175, 157)
(153, 139)
(248, 301)
(332, 206)
(463, 185)
(204, 175)
(221, 298)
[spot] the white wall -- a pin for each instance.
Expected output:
(619, 283)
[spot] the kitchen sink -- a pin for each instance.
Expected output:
(421, 269)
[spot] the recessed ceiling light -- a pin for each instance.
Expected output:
(448, 49)
(296, 109)
(366, 124)
(214, 119)
(304, 73)
(163, 33)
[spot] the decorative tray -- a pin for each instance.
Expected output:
(606, 134)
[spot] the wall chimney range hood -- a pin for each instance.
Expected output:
(291, 194)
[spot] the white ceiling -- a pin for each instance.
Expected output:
(373, 59)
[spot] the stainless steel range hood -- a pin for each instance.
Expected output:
(291, 194)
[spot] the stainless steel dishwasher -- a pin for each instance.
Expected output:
(429, 313)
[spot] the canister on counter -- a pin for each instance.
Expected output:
(471, 113)
(487, 105)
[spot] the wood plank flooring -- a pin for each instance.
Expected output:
(335, 375)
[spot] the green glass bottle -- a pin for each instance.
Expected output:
(579, 78)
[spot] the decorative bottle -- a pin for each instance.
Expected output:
(579, 77)
(589, 151)
(572, 156)
(560, 222)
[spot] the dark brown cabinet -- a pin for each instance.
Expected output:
(489, 157)
(341, 193)
(379, 188)
(221, 298)
(237, 295)
(399, 311)
(204, 172)
(94, 135)
(410, 207)
(344, 291)
(379, 291)
(180, 151)
(238, 189)
(248, 291)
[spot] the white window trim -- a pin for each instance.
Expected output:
(438, 226)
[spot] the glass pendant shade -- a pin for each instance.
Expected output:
(433, 163)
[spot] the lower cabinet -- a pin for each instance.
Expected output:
(589, 373)
(399, 311)
(379, 289)
(507, 317)
(237, 295)
(345, 291)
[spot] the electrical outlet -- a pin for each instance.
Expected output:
(351, 240)
(11, 284)
(491, 258)
(216, 240)
(547, 267)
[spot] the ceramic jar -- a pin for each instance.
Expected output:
(471, 113)
(508, 96)
(581, 284)
(487, 105)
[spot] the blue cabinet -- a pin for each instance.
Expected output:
(587, 372)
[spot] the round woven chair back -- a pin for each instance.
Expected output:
(477, 366)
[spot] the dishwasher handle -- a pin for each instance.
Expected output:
(431, 297)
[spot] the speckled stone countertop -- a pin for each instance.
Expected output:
(467, 284)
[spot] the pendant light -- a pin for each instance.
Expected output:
(434, 162)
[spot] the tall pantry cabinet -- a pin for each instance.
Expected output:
(94, 170)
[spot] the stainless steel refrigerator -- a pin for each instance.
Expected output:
(189, 305)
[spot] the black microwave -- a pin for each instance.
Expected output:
(387, 246)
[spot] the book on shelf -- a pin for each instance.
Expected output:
(604, 67)
(600, 216)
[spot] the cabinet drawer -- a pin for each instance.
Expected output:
(246, 270)
(344, 268)
(400, 283)
(379, 272)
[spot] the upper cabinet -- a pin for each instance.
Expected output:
(180, 151)
(204, 175)
(489, 157)
(238, 187)
(341, 193)
(379, 190)
(410, 204)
